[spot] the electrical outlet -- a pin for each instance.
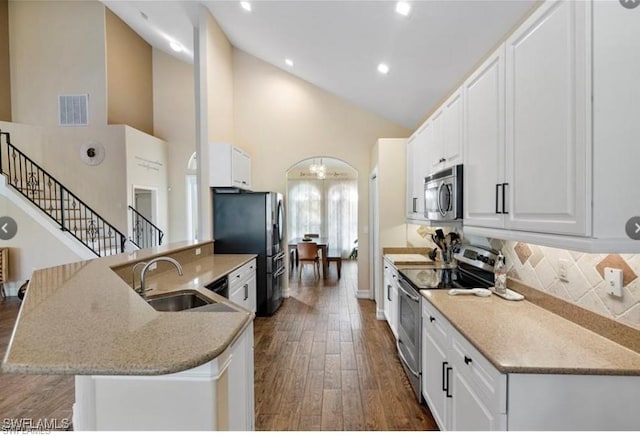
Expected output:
(563, 267)
(198, 251)
(613, 279)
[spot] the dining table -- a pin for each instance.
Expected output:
(323, 245)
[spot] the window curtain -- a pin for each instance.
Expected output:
(326, 207)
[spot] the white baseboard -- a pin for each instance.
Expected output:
(364, 293)
(380, 315)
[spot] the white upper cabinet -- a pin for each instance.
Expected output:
(417, 170)
(547, 119)
(484, 143)
(570, 137)
(446, 148)
(229, 166)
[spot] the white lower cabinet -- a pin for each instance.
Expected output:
(391, 296)
(215, 396)
(242, 286)
(464, 391)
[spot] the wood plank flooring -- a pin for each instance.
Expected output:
(31, 401)
(323, 362)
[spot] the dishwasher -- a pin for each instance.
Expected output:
(220, 286)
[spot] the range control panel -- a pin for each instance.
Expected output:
(476, 256)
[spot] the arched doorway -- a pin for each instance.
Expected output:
(322, 198)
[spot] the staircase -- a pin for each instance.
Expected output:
(145, 233)
(55, 200)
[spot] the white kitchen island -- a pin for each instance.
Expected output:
(137, 368)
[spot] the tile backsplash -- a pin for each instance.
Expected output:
(538, 266)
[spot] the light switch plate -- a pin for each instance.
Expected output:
(613, 279)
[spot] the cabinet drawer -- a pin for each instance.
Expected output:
(435, 324)
(241, 274)
(489, 383)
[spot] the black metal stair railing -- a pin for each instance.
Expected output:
(54, 199)
(145, 233)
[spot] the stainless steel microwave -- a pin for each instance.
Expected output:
(443, 195)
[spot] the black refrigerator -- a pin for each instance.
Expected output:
(253, 223)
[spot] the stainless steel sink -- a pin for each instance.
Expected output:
(179, 300)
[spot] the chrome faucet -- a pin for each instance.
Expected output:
(145, 268)
(133, 276)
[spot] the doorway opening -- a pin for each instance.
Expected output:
(322, 200)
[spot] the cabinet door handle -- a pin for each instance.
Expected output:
(431, 319)
(497, 196)
(246, 292)
(504, 190)
(415, 204)
(467, 360)
(389, 292)
(445, 388)
(449, 368)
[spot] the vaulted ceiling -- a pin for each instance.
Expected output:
(338, 45)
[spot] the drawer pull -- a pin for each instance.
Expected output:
(449, 368)
(431, 319)
(467, 360)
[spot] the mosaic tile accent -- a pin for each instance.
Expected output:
(537, 266)
(523, 251)
(616, 261)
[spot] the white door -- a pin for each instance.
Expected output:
(468, 412)
(547, 118)
(484, 144)
(436, 145)
(420, 166)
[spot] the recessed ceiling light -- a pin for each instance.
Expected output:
(403, 8)
(288, 62)
(246, 6)
(383, 68)
(176, 46)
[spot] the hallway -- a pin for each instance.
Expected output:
(323, 362)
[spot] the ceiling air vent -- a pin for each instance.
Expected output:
(74, 110)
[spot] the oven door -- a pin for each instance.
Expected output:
(409, 331)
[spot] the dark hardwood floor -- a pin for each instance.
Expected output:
(322, 362)
(38, 402)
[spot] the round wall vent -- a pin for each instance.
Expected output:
(92, 153)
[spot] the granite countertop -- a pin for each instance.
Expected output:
(83, 318)
(521, 337)
(409, 259)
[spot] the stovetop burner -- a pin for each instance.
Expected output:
(474, 270)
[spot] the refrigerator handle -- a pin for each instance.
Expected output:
(279, 256)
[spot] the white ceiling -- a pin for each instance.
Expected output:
(337, 45)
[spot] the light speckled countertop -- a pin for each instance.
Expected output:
(82, 318)
(409, 259)
(520, 337)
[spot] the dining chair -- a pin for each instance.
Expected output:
(308, 254)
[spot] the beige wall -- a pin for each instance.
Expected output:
(146, 166)
(174, 121)
(129, 76)
(57, 47)
(281, 120)
(57, 150)
(5, 76)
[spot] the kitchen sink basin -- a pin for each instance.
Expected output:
(179, 300)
